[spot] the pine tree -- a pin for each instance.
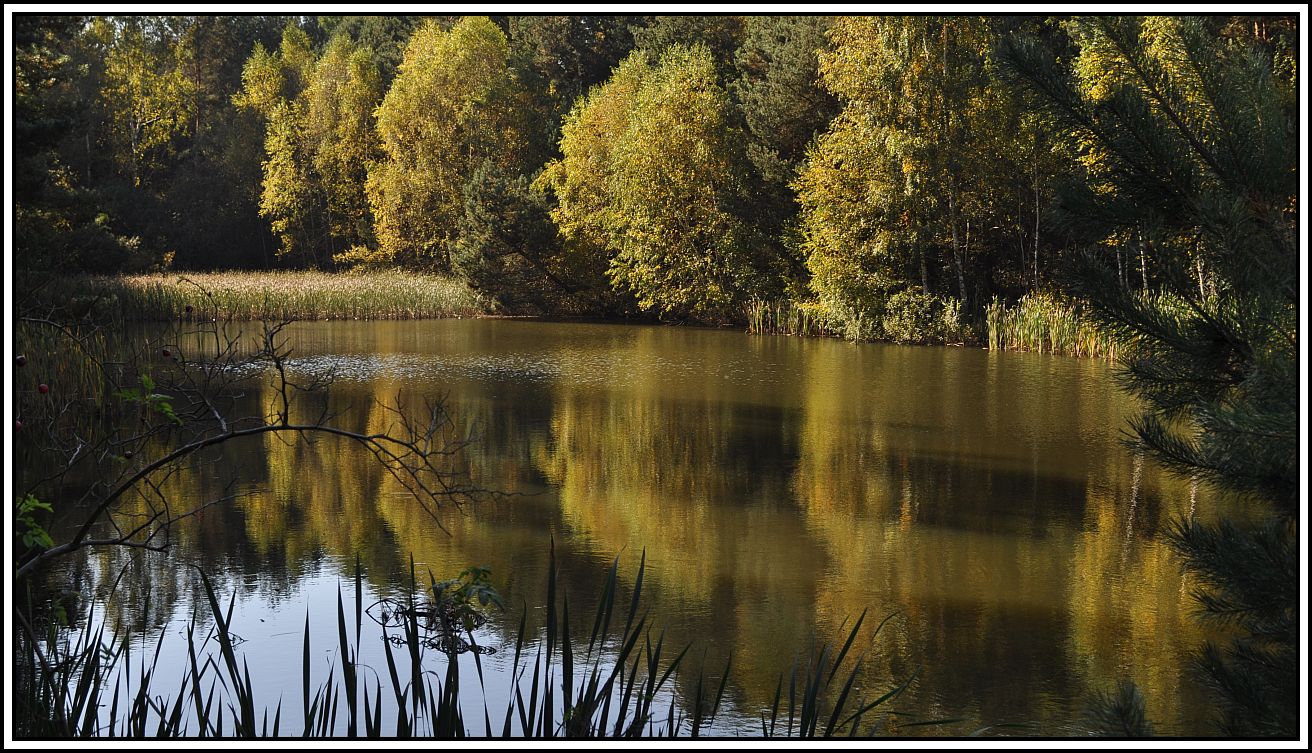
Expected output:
(58, 222)
(1190, 142)
(507, 247)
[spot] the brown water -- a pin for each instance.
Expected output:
(779, 486)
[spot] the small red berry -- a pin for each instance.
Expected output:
(43, 388)
(128, 454)
(167, 353)
(18, 426)
(21, 361)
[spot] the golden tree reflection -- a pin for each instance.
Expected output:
(779, 488)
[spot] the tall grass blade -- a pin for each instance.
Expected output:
(842, 700)
(601, 625)
(551, 600)
(412, 643)
(881, 699)
(348, 668)
(774, 708)
(843, 653)
(305, 675)
(566, 661)
(247, 721)
(531, 726)
(637, 592)
(792, 697)
(719, 693)
(697, 703)
(402, 725)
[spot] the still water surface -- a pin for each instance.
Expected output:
(779, 486)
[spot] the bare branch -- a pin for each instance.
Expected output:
(418, 449)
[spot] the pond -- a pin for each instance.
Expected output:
(985, 503)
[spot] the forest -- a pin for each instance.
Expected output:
(1114, 186)
(887, 178)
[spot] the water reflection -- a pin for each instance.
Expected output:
(779, 487)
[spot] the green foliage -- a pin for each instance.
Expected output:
(1249, 581)
(207, 213)
(28, 529)
(318, 112)
(287, 200)
(344, 90)
(719, 35)
(1046, 323)
(153, 401)
(149, 161)
(918, 90)
(652, 181)
(682, 249)
(580, 179)
(913, 316)
(784, 109)
(459, 601)
(149, 100)
(935, 175)
(855, 264)
(778, 89)
(562, 57)
(1120, 714)
(1188, 140)
(263, 82)
(59, 223)
(507, 248)
(931, 175)
(384, 36)
(454, 105)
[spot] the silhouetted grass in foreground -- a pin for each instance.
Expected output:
(619, 683)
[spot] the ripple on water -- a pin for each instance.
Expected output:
(367, 367)
(577, 367)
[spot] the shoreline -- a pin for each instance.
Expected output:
(386, 295)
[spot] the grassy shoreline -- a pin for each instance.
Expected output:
(1038, 323)
(297, 295)
(1041, 323)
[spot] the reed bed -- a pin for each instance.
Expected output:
(266, 295)
(71, 359)
(783, 317)
(617, 684)
(1045, 324)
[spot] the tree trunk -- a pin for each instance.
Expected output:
(957, 253)
(924, 269)
(1036, 220)
(1143, 263)
(1020, 240)
(948, 143)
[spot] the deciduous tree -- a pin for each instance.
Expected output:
(653, 179)
(453, 106)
